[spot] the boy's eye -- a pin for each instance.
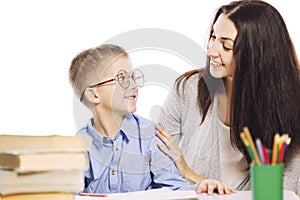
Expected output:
(121, 78)
(136, 77)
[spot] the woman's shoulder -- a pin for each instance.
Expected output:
(294, 160)
(187, 84)
(190, 76)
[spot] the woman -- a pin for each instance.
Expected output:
(251, 79)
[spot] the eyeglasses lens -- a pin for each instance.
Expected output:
(138, 78)
(124, 78)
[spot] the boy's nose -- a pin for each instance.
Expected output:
(132, 83)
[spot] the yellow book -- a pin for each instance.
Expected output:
(43, 161)
(49, 143)
(39, 196)
(12, 182)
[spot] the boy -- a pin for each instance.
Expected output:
(124, 156)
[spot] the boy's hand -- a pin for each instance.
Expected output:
(210, 186)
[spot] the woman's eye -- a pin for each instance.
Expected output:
(226, 48)
(227, 44)
(212, 37)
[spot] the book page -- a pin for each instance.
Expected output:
(157, 194)
(167, 194)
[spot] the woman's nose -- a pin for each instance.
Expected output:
(213, 50)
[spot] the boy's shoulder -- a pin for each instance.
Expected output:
(143, 120)
(83, 129)
(146, 126)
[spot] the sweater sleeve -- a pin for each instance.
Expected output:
(177, 108)
(292, 174)
(170, 116)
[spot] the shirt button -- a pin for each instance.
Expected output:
(116, 148)
(113, 172)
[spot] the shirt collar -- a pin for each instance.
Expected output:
(96, 136)
(129, 128)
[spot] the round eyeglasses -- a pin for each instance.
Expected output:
(123, 79)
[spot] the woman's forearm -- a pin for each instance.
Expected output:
(187, 172)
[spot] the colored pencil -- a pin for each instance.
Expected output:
(249, 138)
(275, 148)
(266, 155)
(246, 143)
(260, 150)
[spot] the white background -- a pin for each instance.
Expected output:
(38, 40)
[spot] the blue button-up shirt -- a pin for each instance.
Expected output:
(131, 161)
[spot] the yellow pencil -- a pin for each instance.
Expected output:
(246, 143)
(275, 148)
(249, 138)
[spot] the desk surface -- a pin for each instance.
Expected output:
(244, 195)
(166, 194)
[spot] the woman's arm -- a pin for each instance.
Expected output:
(174, 110)
(292, 173)
(174, 152)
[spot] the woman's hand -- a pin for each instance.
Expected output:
(210, 186)
(171, 149)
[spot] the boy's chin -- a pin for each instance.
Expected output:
(131, 109)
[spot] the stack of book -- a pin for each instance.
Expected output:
(42, 167)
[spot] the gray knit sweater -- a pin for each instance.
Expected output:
(200, 142)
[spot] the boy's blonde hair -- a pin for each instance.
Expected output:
(87, 66)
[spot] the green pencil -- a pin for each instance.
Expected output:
(246, 143)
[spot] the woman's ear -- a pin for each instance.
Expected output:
(92, 95)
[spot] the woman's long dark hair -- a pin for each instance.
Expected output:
(266, 82)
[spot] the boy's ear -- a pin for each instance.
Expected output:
(92, 95)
